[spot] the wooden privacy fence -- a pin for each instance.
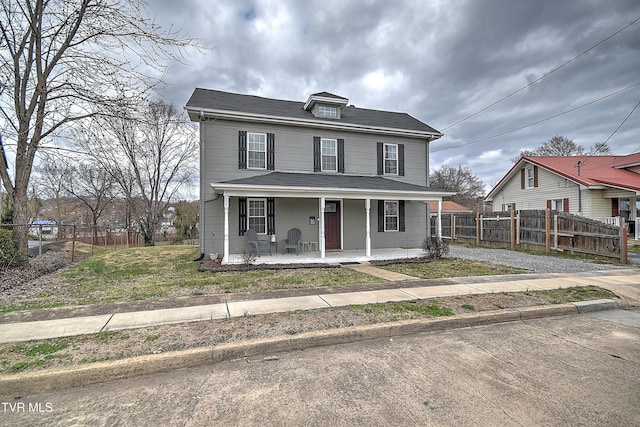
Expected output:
(543, 230)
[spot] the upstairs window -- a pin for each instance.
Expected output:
(328, 111)
(530, 177)
(329, 155)
(257, 151)
(390, 159)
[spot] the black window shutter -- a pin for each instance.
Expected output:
(522, 179)
(242, 215)
(317, 160)
(535, 176)
(242, 149)
(341, 155)
(380, 216)
(401, 225)
(380, 158)
(271, 151)
(401, 160)
(271, 215)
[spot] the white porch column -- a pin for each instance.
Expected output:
(439, 226)
(367, 209)
(321, 219)
(225, 257)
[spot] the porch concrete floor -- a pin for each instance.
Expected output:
(331, 257)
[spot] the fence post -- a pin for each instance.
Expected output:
(40, 240)
(453, 227)
(547, 230)
(555, 232)
(478, 228)
(73, 245)
(624, 249)
(512, 229)
(518, 228)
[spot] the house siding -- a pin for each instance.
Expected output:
(550, 187)
(294, 151)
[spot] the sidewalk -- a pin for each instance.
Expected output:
(626, 283)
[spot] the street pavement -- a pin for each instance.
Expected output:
(582, 369)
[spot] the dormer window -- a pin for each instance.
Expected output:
(325, 105)
(328, 111)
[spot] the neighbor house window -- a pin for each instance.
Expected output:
(390, 216)
(557, 205)
(391, 159)
(327, 111)
(258, 215)
(329, 155)
(257, 150)
(530, 177)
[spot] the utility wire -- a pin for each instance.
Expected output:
(540, 121)
(623, 122)
(541, 77)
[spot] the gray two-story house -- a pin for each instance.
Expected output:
(349, 178)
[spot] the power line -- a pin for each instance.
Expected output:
(539, 121)
(623, 122)
(541, 77)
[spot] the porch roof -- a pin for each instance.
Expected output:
(304, 185)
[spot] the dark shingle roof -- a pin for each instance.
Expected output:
(249, 104)
(304, 180)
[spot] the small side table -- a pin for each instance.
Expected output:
(313, 246)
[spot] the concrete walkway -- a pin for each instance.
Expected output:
(623, 282)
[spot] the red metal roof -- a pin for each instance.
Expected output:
(594, 170)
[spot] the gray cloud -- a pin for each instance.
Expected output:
(439, 61)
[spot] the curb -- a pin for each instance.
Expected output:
(51, 380)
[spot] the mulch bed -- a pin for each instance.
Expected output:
(216, 266)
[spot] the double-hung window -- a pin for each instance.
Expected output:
(257, 150)
(391, 159)
(329, 148)
(530, 177)
(391, 215)
(257, 217)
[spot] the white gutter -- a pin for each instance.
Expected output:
(240, 190)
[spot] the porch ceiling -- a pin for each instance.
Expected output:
(301, 185)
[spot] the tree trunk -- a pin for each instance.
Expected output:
(20, 220)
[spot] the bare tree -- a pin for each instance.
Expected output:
(52, 173)
(93, 187)
(562, 146)
(463, 181)
(65, 60)
(150, 153)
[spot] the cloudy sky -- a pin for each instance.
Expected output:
(439, 61)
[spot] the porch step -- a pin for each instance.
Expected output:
(367, 268)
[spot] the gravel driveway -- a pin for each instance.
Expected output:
(537, 263)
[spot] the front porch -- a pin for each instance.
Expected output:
(332, 257)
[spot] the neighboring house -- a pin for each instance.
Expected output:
(604, 188)
(349, 178)
(449, 207)
(43, 227)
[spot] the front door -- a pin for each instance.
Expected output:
(332, 225)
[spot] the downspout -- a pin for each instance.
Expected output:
(428, 213)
